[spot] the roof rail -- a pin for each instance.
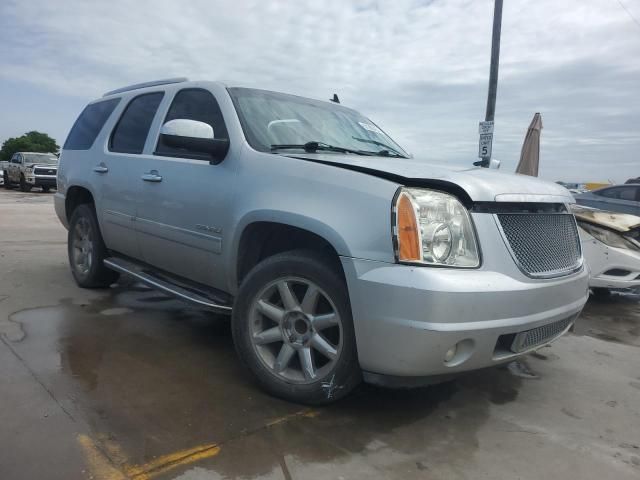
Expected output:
(147, 84)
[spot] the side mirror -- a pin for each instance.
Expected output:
(196, 138)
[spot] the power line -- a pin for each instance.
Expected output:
(635, 20)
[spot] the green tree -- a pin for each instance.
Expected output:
(29, 142)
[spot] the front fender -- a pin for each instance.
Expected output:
(291, 219)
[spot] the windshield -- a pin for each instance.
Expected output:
(43, 158)
(274, 120)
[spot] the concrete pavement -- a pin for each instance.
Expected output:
(126, 383)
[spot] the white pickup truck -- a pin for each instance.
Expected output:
(30, 169)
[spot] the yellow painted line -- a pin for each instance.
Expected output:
(99, 465)
(110, 463)
(172, 460)
(307, 413)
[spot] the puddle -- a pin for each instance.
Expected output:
(615, 318)
(154, 375)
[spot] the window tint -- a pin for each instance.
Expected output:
(194, 104)
(132, 129)
(88, 125)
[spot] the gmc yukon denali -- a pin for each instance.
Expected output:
(338, 256)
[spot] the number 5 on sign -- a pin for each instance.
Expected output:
(484, 150)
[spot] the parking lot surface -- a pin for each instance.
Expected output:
(127, 383)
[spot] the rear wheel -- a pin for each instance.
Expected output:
(86, 250)
(7, 184)
(292, 327)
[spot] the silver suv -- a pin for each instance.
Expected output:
(338, 256)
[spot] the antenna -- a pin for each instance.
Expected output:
(335, 98)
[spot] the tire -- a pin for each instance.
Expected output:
(24, 186)
(86, 250)
(299, 332)
(45, 189)
(7, 183)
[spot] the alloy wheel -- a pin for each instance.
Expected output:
(82, 246)
(296, 330)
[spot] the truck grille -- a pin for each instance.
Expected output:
(45, 171)
(538, 336)
(542, 244)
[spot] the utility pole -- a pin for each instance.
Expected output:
(486, 127)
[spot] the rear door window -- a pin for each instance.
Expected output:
(193, 104)
(88, 125)
(132, 129)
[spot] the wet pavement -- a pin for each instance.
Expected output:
(126, 383)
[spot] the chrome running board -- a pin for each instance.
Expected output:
(210, 300)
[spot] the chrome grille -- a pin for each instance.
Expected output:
(542, 244)
(45, 171)
(538, 336)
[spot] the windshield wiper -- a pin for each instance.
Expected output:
(312, 147)
(387, 149)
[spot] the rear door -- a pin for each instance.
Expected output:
(184, 197)
(120, 186)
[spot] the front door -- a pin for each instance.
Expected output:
(14, 168)
(185, 197)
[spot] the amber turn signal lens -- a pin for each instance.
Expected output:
(408, 236)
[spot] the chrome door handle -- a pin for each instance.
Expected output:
(100, 169)
(152, 176)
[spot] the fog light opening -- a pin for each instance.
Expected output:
(450, 353)
(459, 353)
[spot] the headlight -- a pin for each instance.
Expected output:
(28, 170)
(608, 237)
(434, 228)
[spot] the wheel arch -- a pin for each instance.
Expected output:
(261, 236)
(77, 195)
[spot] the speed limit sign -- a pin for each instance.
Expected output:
(484, 147)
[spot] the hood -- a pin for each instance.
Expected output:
(481, 184)
(41, 165)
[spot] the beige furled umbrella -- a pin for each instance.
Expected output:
(530, 154)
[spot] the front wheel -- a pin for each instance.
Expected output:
(86, 250)
(292, 327)
(24, 186)
(7, 184)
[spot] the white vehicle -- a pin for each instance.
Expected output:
(31, 169)
(611, 248)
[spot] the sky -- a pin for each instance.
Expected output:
(418, 68)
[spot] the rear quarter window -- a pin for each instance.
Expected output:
(88, 125)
